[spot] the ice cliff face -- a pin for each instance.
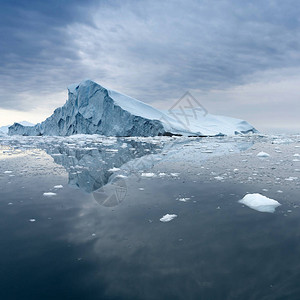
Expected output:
(93, 109)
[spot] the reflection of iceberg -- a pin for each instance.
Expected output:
(102, 167)
(90, 168)
(111, 194)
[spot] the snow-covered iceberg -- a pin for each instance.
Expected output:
(4, 129)
(93, 109)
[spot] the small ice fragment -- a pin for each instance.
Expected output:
(260, 203)
(219, 178)
(168, 218)
(265, 190)
(148, 174)
(296, 155)
(141, 189)
(291, 178)
(184, 199)
(10, 203)
(58, 186)
(114, 169)
(263, 154)
(7, 172)
(174, 174)
(49, 194)
(279, 191)
(121, 176)
(32, 220)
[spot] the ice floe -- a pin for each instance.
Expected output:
(263, 154)
(260, 203)
(49, 194)
(168, 218)
(58, 186)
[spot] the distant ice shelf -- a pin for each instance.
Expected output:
(93, 109)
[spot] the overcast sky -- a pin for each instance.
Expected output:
(238, 58)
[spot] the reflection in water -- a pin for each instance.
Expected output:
(111, 194)
(100, 165)
(102, 170)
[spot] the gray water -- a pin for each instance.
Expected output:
(100, 235)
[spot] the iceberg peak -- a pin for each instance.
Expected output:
(93, 109)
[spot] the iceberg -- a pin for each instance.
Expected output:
(4, 129)
(93, 109)
(260, 203)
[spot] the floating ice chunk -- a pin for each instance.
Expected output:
(114, 169)
(49, 194)
(32, 220)
(121, 176)
(148, 175)
(7, 172)
(174, 174)
(279, 191)
(263, 154)
(162, 174)
(58, 186)
(141, 189)
(184, 199)
(260, 203)
(291, 178)
(168, 218)
(296, 155)
(219, 178)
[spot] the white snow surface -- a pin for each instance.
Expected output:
(260, 203)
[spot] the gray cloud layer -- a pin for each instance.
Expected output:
(153, 50)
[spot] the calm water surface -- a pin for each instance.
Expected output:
(100, 236)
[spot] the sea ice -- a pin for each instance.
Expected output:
(260, 203)
(263, 154)
(184, 199)
(168, 218)
(114, 169)
(148, 175)
(49, 194)
(58, 186)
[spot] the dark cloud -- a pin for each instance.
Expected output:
(153, 50)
